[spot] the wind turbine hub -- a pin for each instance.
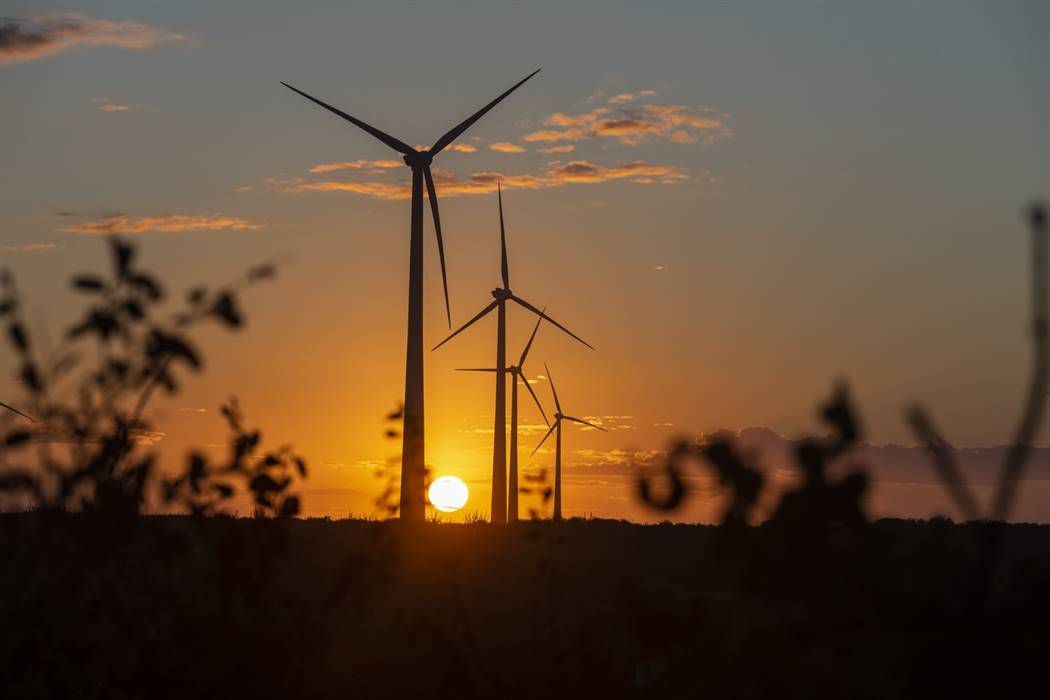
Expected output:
(501, 294)
(558, 416)
(418, 159)
(514, 369)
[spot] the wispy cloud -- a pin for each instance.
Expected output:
(361, 164)
(462, 148)
(165, 223)
(30, 38)
(565, 148)
(557, 174)
(637, 125)
(107, 104)
(28, 248)
(660, 268)
(506, 147)
(624, 97)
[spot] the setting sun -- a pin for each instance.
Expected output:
(448, 494)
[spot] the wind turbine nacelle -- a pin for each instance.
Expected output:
(501, 294)
(418, 159)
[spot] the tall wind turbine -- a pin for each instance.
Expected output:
(413, 497)
(516, 372)
(499, 443)
(558, 418)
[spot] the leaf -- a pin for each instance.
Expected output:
(163, 346)
(225, 490)
(30, 376)
(290, 507)
(88, 283)
(15, 439)
(226, 309)
(196, 295)
(301, 465)
(134, 309)
(147, 285)
(263, 483)
(18, 337)
(123, 252)
(261, 272)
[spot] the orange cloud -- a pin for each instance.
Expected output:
(27, 39)
(567, 148)
(166, 223)
(505, 147)
(623, 97)
(355, 165)
(648, 122)
(449, 185)
(462, 148)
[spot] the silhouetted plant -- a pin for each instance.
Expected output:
(94, 409)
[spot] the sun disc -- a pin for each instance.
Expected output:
(448, 494)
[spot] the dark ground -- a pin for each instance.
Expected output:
(179, 607)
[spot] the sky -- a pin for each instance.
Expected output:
(737, 205)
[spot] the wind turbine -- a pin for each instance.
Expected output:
(499, 443)
(558, 417)
(516, 371)
(413, 497)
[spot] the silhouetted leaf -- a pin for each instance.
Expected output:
(290, 507)
(15, 439)
(30, 376)
(123, 252)
(147, 285)
(261, 272)
(134, 309)
(301, 466)
(18, 337)
(226, 309)
(88, 283)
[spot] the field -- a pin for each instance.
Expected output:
(184, 607)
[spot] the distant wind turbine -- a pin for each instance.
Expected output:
(15, 410)
(558, 417)
(499, 443)
(413, 497)
(516, 372)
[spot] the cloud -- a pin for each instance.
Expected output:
(636, 125)
(448, 184)
(356, 165)
(28, 39)
(28, 248)
(567, 148)
(166, 223)
(660, 268)
(505, 147)
(462, 148)
(106, 104)
(623, 97)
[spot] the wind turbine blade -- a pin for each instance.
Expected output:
(580, 420)
(545, 438)
(454, 134)
(543, 314)
(466, 325)
(534, 398)
(12, 409)
(476, 369)
(437, 230)
(503, 240)
(399, 146)
(557, 404)
(525, 352)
